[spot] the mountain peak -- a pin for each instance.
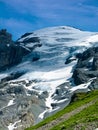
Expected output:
(41, 82)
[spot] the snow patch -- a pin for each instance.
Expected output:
(11, 102)
(93, 38)
(81, 86)
(13, 126)
(41, 116)
(91, 60)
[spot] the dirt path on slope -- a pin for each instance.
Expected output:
(65, 116)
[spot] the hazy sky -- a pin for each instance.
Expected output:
(20, 16)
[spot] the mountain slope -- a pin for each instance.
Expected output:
(80, 114)
(42, 83)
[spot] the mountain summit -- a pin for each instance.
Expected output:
(42, 70)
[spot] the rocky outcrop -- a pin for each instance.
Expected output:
(10, 53)
(87, 66)
(17, 106)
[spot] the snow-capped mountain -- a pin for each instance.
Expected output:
(42, 83)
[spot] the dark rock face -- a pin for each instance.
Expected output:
(12, 76)
(84, 58)
(33, 39)
(79, 76)
(95, 62)
(10, 53)
(87, 66)
(25, 35)
(69, 60)
(5, 37)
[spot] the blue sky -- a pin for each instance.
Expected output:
(20, 16)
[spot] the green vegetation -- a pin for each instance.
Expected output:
(86, 115)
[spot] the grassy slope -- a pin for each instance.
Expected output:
(85, 117)
(89, 113)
